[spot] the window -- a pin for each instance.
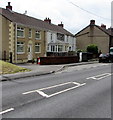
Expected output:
(67, 38)
(20, 32)
(20, 47)
(60, 48)
(56, 48)
(47, 47)
(60, 36)
(66, 48)
(51, 37)
(52, 48)
(38, 35)
(30, 33)
(37, 47)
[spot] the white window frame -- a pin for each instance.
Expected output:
(52, 48)
(22, 45)
(51, 36)
(21, 29)
(38, 32)
(60, 47)
(38, 45)
(67, 39)
(47, 47)
(30, 33)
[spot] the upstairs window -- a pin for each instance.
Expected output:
(38, 35)
(60, 36)
(30, 33)
(67, 38)
(20, 32)
(51, 37)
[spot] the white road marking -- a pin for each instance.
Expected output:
(5, 111)
(42, 93)
(65, 90)
(46, 88)
(101, 76)
(47, 96)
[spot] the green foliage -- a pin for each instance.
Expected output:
(92, 48)
(79, 50)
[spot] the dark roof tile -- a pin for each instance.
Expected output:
(32, 22)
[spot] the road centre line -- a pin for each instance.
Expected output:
(5, 111)
(101, 76)
(47, 96)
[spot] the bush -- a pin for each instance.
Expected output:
(92, 49)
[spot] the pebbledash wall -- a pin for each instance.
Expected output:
(53, 43)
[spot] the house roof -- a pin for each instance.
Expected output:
(32, 22)
(108, 31)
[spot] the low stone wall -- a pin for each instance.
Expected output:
(58, 60)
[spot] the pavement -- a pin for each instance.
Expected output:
(38, 70)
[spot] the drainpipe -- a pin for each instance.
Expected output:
(16, 42)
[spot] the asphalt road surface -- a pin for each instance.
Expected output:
(77, 92)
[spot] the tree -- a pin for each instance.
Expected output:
(92, 48)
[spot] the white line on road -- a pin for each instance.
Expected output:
(47, 96)
(66, 90)
(99, 77)
(46, 88)
(42, 93)
(5, 111)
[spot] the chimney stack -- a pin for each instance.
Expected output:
(92, 22)
(103, 26)
(47, 20)
(9, 7)
(61, 25)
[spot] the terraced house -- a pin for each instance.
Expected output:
(25, 38)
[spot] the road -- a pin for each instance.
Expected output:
(77, 92)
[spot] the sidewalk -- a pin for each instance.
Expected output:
(37, 70)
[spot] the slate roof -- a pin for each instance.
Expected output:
(32, 22)
(108, 31)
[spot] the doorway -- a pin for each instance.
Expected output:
(30, 54)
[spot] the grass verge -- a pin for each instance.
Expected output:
(8, 68)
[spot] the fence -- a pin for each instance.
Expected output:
(58, 60)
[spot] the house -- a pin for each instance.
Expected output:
(94, 34)
(59, 43)
(25, 38)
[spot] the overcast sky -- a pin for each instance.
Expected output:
(74, 14)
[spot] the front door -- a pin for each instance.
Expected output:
(30, 56)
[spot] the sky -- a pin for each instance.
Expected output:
(74, 14)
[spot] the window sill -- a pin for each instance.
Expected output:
(20, 37)
(19, 53)
(37, 38)
(37, 52)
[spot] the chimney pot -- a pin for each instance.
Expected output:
(92, 22)
(47, 20)
(9, 7)
(61, 25)
(103, 26)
